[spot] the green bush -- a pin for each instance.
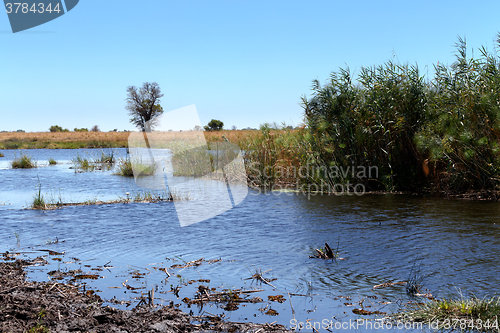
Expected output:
(214, 125)
(57, 128)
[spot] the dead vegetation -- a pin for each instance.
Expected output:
(327, 253)
(54, 306)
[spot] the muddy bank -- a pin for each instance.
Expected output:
(60, 307)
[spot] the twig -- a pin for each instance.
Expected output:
(389, 284)
(293, 311)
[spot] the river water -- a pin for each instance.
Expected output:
(449, 246)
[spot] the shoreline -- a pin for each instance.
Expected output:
(101, 140)
(62, 307)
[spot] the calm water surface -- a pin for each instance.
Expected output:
(452, 245)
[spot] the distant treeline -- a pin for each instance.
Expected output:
(439, 134)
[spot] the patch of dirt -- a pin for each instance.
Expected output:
(58, 307)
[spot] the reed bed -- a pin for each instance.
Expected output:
(438, 134)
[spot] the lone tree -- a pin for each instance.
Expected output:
(143, 105)
(214, 125)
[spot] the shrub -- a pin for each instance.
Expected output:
(214, 125)
(57, 128)
(95, 128)
(81, 129)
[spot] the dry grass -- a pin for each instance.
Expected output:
(15, 140)
(64, 136)
(236, 137)
(68, 140)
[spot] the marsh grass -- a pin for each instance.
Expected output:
(193, 162)
(465, 313)
(416, 279)
(154, 196)
(126, 168)
(2, 155)
(23, 162)
(272, 153)
(38, 200)
(83, 164)
(106, 158)
(54, 199)
(105, 161)
(52, 161)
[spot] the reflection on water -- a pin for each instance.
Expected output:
(453, 244)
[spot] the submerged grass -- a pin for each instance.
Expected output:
(23, 162)
(472, 314)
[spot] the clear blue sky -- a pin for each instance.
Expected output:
(241, 61)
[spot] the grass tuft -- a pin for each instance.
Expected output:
(2, 155)
(105, 161)
(105, 158)
(468, 313)
(126, 168)
(52, 161)
(38, 200)
(83, 164)
(23, 162)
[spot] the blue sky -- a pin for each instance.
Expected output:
(243, 62)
